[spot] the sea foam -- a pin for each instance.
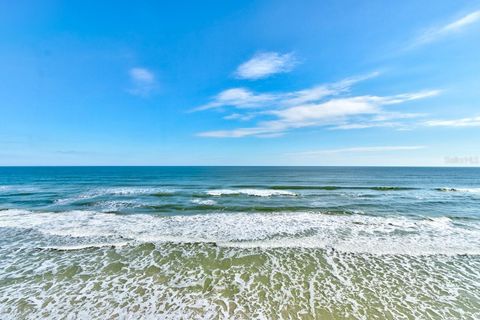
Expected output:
(250, 192)
(348, 233)
(206, 202)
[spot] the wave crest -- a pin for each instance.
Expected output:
(465, 190)
(250, 192)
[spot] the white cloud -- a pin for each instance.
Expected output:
(243, 98)
(335, 108)
(441, 31)
(333, 112)
(465, 122)
(143, 81)
(360, 150)
(462, 22)
(238, 97)
(265, 64)
(320, 105)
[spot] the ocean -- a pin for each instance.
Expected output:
(239, 243)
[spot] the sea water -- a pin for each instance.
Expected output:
(239, 243)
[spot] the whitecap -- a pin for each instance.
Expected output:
(133, 190)
(86, 246)
(204, 202)
(115, 191)
(250, 192)
(464, 190)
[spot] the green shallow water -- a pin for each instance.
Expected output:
(202, 280)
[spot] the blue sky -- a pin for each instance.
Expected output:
(240, 83)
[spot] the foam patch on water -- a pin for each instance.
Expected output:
(86, 246)
(250, 192)
(346, 233)
(207, 202)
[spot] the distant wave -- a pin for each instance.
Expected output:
(17, 190)
(353, 233)
(250, 192)
(206, 202)
(116, 191)
(298, 187)
(466, 190)
(133, 191)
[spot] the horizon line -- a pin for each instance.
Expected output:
(232, 166)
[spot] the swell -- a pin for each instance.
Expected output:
(89, 196)
(266, 209)
(328, 187)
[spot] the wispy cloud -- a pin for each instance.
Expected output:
(239, 116)
(360, 150)
(320, 92)
(239, 98)
(367, 125)
(143, 81)
(384, 119)
(336, 112)
(265, 64)
(438, 32)
(243, 98)
(464, 122)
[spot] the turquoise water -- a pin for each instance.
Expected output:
(239, 242)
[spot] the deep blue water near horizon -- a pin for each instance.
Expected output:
(425, 190)
(240, 242)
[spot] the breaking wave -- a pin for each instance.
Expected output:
(250, 192)
(353, 233)
(116, 191)
(465, 190)
(328, 188)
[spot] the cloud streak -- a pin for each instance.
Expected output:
(243, 98)
(456, 123)
(265, 64)
(360, 150)
(434, 34)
